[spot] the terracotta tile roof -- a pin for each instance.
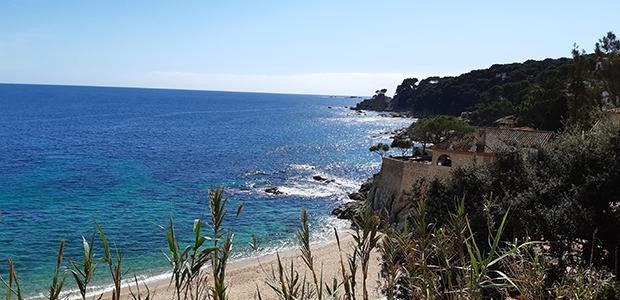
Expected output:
(497, 139)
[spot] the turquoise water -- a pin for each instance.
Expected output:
(130, 158)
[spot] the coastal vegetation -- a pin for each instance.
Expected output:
(564, 193)
(436, 129)
(545, 94)
(556, 204)
(402, 144)
(380, 148)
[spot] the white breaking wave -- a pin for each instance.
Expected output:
(307, 187)
(372, 117)
(302, 167)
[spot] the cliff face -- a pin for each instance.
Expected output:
(390, 195)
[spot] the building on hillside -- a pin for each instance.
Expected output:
(393, 184)
(478, 147)
(482, 145)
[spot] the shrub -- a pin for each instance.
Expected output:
(565, 193)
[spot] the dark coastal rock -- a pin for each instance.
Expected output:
(357, 196)
(319, 178)
(322, 179)
(400, 134)
(366, 186)
(273, 190)
(400, 115)
(396, 115)
(347, 210)
(378, 102)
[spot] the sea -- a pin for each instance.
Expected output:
(130, 159)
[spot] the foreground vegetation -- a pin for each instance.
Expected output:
(198, 269)
(565, 192)
(445, 256)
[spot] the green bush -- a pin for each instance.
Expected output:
(565, 193)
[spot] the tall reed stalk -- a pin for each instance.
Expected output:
(287, 284)
(12, 286)
(303, 238)
(139, 295)
(84, 271)
(59, 277)
(348, 280)
(222, 252)
(187, 262)
(113, 263)
(366, 238)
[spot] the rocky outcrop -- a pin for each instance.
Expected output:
(322, 179)
(348, 210)
(366, 186)
(396, 115)
(378, 102)
(357, 196)
(273, 190)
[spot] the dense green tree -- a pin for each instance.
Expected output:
(404, 92)
(380, 148)
(607, 55)
(403, 144)
(436, 129)
(581, 99)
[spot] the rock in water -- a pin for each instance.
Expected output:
(347, 210)
(378, 102)
(322, 179)
(318, 178)
(273, 190)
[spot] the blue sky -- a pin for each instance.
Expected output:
(313, 46)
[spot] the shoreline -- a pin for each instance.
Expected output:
(244, 275)
(158, 279)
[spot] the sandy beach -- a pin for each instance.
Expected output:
(245, 275)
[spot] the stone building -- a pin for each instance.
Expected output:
(393, 184)
(482, 145)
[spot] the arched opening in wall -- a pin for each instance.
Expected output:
(444, 160)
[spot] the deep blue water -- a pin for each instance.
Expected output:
(130, 158)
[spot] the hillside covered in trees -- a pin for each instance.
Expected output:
(541, 94)
(488, 94)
